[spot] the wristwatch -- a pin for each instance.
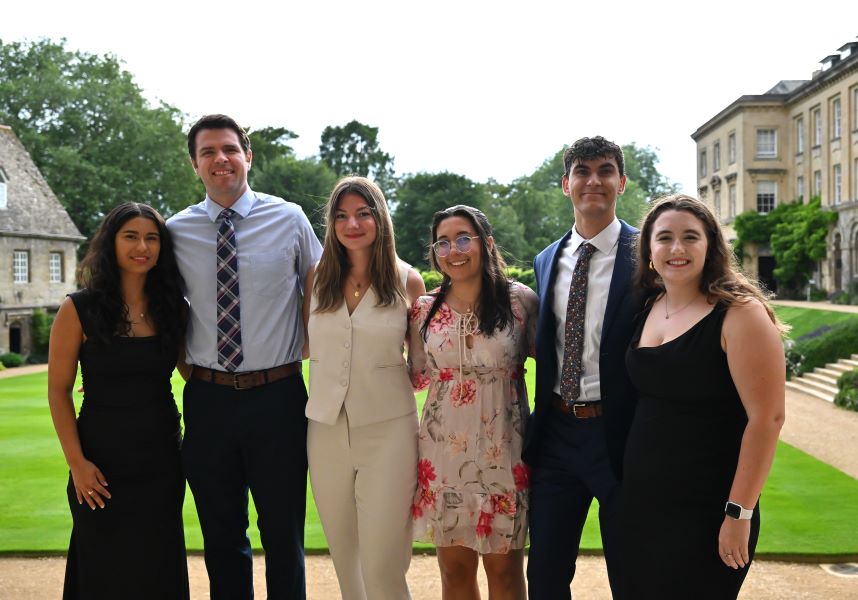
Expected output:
(737, 511)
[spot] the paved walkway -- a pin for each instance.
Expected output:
(25, 370)
(823, 305)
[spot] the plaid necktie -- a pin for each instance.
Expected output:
(573, 346)
(229, 354)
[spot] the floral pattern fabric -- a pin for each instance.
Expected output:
(472, 486)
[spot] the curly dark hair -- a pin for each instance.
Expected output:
(99, 274)
(589, 148)
(494, 308)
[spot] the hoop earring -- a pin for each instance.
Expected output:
(651, 268)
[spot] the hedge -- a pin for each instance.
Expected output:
(432, 279)
(847, 390)
(838, 342)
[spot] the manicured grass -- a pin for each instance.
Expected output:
(805, 320)
(809, 508)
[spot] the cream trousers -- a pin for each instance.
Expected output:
(363, 481)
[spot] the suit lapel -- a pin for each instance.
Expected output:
(623, 266)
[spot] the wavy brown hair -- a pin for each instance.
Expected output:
(494, 307)
(99, 273)
(721, 279)
(333, 267)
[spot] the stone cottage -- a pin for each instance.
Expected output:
(38, 245)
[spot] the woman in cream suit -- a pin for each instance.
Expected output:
(362, 436)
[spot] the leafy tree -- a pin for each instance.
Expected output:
(419, 198)
(798, 242)
(632, 205)
(641, 168)
(94, 137)
(269, 143)
(353, 150)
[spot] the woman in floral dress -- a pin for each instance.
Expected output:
(476, 331)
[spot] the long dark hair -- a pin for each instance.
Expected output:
(99, 273)
(721, 279)
(494, 308)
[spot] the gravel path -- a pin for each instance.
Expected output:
(815, 426)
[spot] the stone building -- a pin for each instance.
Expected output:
(797, 140)
(38, 245)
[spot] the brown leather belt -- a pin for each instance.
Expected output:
(248, 379)
(579, 410)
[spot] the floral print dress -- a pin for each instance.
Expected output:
(472, 486)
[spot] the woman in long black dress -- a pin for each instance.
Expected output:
(709, 365)
(126, 485)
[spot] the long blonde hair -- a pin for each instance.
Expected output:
(721, 279)
(333, 267)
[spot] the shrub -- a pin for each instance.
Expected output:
(847, 390)
(806, 354)
(11, 359)
(432, 279)
(41, 330)
(2, 366)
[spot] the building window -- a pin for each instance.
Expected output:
(716, 156)
(767, 143)
(703, 163)
(838, 181)
(767, 192)
(835, 119)
(55, 267)
(817, 127)
(799, 135)
(799, 187)
(21, 266)
(817, 183)
(732, 192)
(855, 111)
(718, 203)
(855, 183)
(731, 148)
(3, 180)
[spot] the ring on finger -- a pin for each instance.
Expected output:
(91, 492)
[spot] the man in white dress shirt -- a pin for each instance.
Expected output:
(584, 401)
(243, 256)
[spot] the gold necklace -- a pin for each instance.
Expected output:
(667, 314)
(470, 305)
(357, 285)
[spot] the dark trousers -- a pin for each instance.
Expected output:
(571, 468)
(240, 440)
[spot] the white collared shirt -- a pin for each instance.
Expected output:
(598, 284)
(276, 247)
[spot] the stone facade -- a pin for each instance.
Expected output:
(37, 237)
(798, 140)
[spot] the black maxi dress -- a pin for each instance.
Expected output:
(129, 428)
(681, 457)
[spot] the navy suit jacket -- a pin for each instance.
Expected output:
(618, 395)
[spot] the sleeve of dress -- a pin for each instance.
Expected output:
(530, 305)
(416, 347)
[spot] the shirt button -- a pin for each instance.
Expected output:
(344, 383)
(347, 345)
(345, 363)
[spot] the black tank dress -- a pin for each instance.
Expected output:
(129, 428)
(680, 461)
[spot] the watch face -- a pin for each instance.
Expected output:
(733, 510)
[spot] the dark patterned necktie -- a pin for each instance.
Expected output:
(229, 354)
(573, 346)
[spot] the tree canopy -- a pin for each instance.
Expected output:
(353, 149)
(91, 133)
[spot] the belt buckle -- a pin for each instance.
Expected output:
(575, 406)
(236, 382)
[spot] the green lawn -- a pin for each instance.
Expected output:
(809, 508)
(805, 320)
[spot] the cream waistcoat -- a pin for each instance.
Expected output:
(357, 360)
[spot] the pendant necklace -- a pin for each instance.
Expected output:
(667, 314)
(357, 286)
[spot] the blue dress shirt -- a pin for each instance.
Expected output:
(276, 247)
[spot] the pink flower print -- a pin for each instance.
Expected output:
(425, 472)
(420, 381)
(445, 374)
(504, 503)
(416, 511)
(484, 524)
(443, 319)
(457, 443)
(464, 392)
(521, 474)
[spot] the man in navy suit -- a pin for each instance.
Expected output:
(584, 400)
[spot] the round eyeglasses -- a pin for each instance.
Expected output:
(442, 248)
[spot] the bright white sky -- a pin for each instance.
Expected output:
(485, 89)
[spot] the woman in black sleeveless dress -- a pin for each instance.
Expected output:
(708, 362)
(126, 484)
